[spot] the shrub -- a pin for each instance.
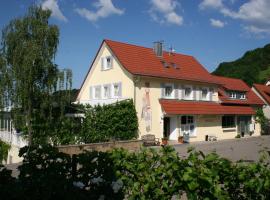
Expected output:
(4, 148)
(110, 122)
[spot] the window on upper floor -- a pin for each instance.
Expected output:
(188, 92)
(168, 90)
(117, 90)
(97, 92)
(237, 95)
(106, 91)
(106, 62)
(205, 94)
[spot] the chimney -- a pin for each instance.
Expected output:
(158, 48)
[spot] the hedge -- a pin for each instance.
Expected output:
(116, 121)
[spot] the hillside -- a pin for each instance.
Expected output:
(252, 67)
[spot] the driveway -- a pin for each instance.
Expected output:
(248, 149)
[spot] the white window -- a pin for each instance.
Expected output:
(116, 90)
(97, 92)
(168, 90)
(237, 95)
(188, 93)
(106, 62)
(242, 96)
(106, 91)
(232, 95)
(205, 94)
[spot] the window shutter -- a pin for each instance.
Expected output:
(162, 85)
(200, 93)
(176, 94)
(120, 89)
(194, 90)
(99, 89)
(111, 62)
(211, 94)
(180, 92)
(109, 91)
(102, 64)
(183, 92)
(91, 92)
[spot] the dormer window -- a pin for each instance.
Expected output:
(165, 64)
(106, 62)
(237, 95)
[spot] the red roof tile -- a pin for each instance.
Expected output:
(143, 61)
(264, 91)
(174, 107)
(232, 83)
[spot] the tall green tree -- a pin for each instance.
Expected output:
(28, 73)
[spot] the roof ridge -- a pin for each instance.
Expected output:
(125, 43)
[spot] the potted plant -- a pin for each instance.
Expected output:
(164, 141)
(180, 139)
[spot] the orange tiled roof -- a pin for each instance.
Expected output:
(175, 107)
(232, 83)
(264, 91)
(140, 60)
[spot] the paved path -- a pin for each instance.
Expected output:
(247, 149)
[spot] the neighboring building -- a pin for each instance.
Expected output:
(173, 93)
(263, 91)
(9, 135)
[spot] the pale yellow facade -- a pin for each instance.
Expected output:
(136, 87)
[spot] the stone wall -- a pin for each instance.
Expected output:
(132, 145)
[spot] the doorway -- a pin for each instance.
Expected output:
(166, 127)
(243, 123)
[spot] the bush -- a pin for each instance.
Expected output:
(148, 174)
(110, 122)
(4, 148)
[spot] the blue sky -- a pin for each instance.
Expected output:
(213, 31)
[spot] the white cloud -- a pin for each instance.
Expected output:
(217, 23)
(104, 8)
(213, 4)
(254, 14)
(164, 11)
(52, 5)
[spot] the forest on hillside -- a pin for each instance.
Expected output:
(252, 67)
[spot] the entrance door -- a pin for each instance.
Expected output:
(166, 127)
(243, 125)
(187, 127)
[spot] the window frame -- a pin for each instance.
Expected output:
(113, 90)
(190, 97)
(207, 97)
(108, 91)
(95, 92)
(105, 64)
(166, 85)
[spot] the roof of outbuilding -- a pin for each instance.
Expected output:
(140, 60)
(264, 91)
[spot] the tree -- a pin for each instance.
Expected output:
(28, 73)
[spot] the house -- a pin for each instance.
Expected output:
(174, 94)
(263, 91)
